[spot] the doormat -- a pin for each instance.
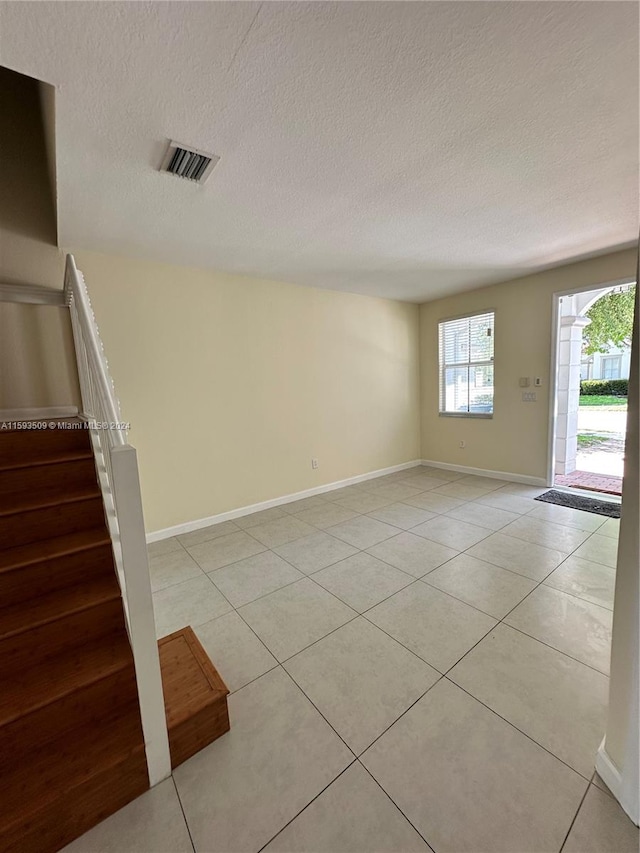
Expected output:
(578, 502)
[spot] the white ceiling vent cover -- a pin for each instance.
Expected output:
(188, 163)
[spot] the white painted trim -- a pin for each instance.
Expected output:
(581, 288)
(198, 524)
(553, 368)
(43, 414)
(96, 385)
(33, 294)
(553, 390)
(626, 795)
(483, 472)
(139, 609)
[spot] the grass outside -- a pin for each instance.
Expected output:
(592, 440)
(609, 401)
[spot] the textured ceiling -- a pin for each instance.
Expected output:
(399, 149)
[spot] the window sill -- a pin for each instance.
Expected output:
(481, 415)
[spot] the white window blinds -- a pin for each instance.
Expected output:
(466, 365)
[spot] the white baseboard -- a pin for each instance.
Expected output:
(39, 414)
(189, 526)
(625, 794)
(483, 472)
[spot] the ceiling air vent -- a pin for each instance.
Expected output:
(188, 163)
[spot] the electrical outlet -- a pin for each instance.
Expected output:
(462, 445)
(314, 464)
(537, 381)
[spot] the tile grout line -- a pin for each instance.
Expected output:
(513, 726)
(359, 513)
(422, 491)
(184, 816)
(363, 614)
(406, 711)
(328, 500)
(270, 550)
(255, 678)
(506, 615)
(491, 710)
(280, 664)
(575, 817)
(413, 581)
(366, 550)
(332, 631)
(566, 654)
(319, 794)
(362, 550)
(356, 756)
(313, 705)
(575, 595)
(391, 800)
(500, 621)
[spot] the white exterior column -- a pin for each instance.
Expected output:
(568, 393)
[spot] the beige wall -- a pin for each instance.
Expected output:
(260, 375)
(28, 250)
(233, 384)
(37, 367)
(28, 260)
(37, 362)
(515, 440)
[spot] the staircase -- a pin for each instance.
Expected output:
(71, 738)
(85, 725)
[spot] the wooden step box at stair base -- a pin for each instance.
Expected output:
(195, 696)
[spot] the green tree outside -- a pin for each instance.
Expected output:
(611, 322)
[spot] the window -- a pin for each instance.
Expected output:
(466, 365)
(586, 366)
(611, 367)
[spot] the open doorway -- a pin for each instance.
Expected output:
(593, 354)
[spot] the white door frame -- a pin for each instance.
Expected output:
(555, 342)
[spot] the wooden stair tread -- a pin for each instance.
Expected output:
(58, 546)
(29, 503)
(45, 683)
(24, 616)
(66, 763)
(71, 738)
(20, 446)
(51, 457)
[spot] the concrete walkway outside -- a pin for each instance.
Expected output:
(602, 419)
(600, 459)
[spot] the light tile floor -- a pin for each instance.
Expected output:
(417, 662)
